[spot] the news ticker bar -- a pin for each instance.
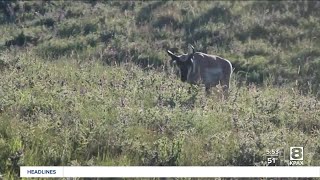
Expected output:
(169, 171)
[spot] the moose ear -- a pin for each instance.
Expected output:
(193, 51)
(171, 54)
(191, 60)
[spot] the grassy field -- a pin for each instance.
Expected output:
(89, 83)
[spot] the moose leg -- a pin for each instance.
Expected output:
(208, 87)
(225, 88)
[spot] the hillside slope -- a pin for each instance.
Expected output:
(88, 83)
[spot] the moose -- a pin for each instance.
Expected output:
(199, 67)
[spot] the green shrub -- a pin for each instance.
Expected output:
(48, 22)
(69, 28)
(21, 40)
(58, 48)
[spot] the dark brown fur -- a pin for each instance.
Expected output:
(209, 70)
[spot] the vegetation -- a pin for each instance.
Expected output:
(88, 83)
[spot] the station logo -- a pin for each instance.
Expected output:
(296, 156)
